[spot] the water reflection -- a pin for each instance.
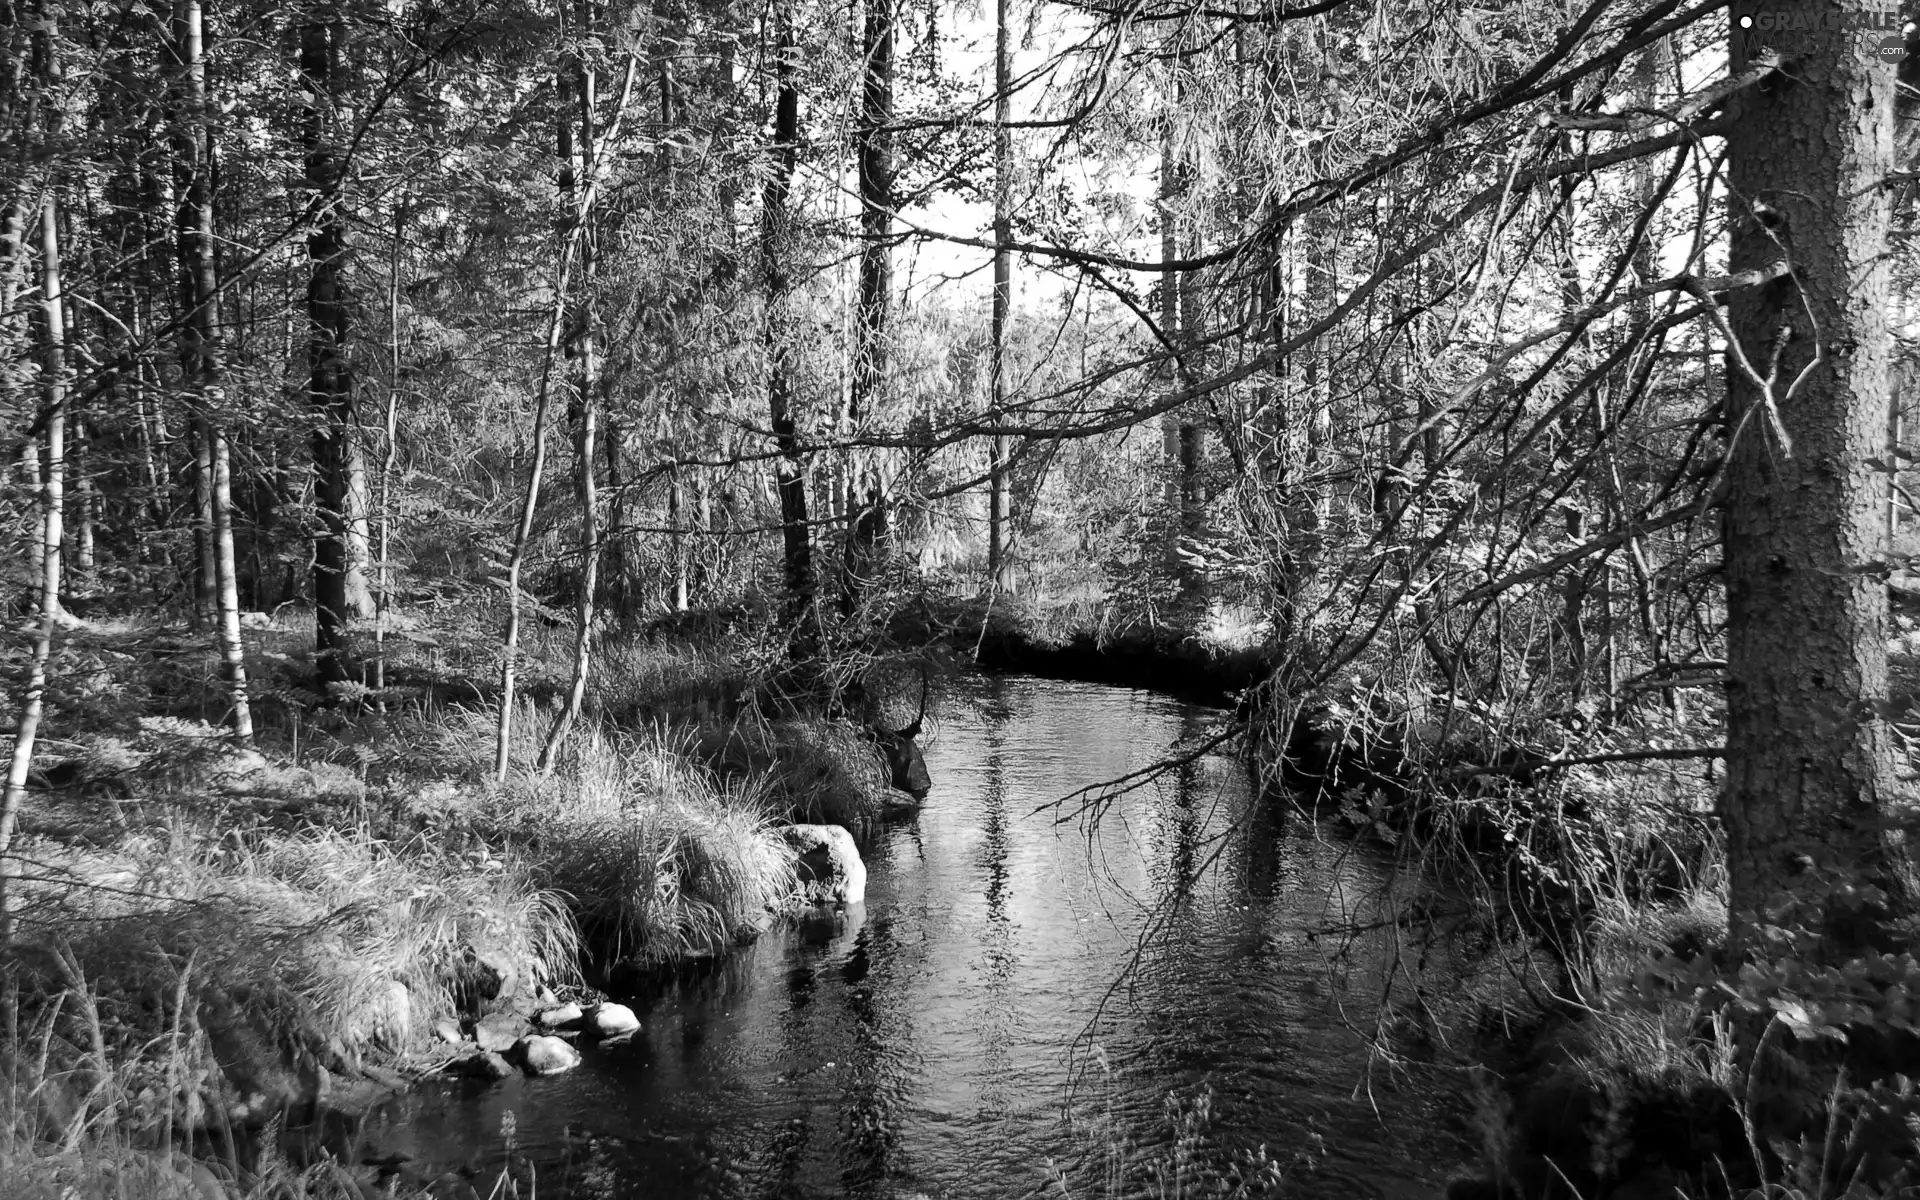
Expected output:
(995, 1014)
(999, 959)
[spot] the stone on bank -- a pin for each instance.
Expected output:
(828, 866)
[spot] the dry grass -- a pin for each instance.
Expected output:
(658, 858)
(167, 990)
(206, 937)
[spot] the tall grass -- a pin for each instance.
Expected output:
(811, 769)
(657, 856)
(123, 1150)
(236, 944)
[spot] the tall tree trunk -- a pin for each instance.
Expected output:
(52, 514)
(1810, 758)
(677, 522)
(1180, 436)
(615, 570)
(201, 363)
(389, 456)
(329, 318)
(776, 249)
(577, 168)
(206, 563)
(872, 319)
(523, 528)
(1000, 549)
(86, 502)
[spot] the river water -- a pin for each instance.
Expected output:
(993, 1023)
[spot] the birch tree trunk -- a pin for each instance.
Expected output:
(201, 363)
(577, 167)
(52, 515)
(390, 449)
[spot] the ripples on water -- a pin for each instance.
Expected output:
(993, 1023)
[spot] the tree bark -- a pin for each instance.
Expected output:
(1180, 437)
(1810, 766)
(776, 248)
(875, 146)
(389, 456)
(677, 522)
(1000, 548)
(52, 514)
(329, 320)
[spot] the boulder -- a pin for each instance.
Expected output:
(566, 1016)
(485, 1065)
(498, 1031)
(545, 1055)
(828, 864)
(612, 1020)
(448, 1030)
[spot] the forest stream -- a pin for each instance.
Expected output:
(981, 1028)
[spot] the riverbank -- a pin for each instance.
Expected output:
(994, 1020)
(1079, 643)
(228, 949)
(215, 939)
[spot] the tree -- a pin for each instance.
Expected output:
(50, 467)
(777, 229)
(200, 360)
(582, 150)
(874, 150)
(337, 583)
(1000, 560)
(1810, 754)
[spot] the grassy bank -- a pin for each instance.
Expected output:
(222, 954)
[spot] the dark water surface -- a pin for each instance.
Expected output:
(976, 1031)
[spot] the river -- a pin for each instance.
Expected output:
(993, 1023)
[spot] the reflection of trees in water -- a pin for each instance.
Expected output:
(1263, 948)
(832, 1017)
(1000, 1006)
(869, 1108)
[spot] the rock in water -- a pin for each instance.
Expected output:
(612, 1020)
(545, 1055)
(484, 1064)
(499, 1031)
(829, 865)
(566, 1016)
(493, 1066)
